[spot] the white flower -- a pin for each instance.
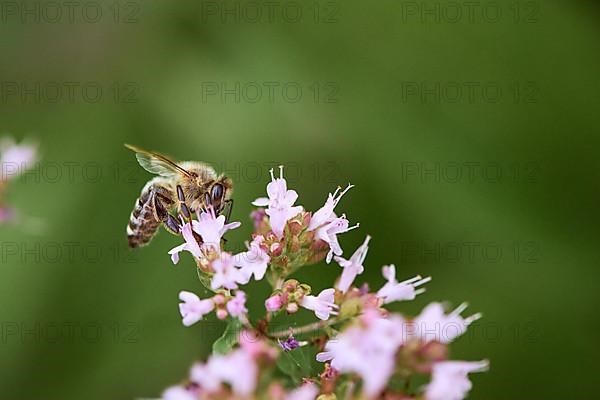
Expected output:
(323, 305)
(434, 324)
(190, 244)
(328, 233)
(307, 391)
(325, 214)
(253, 262)
(204, 376)
(212, 228)
(226, 274)
(238, 369)
(353, 266)
(193, 309)
(399, 291)
(228, 369)
(237, 305)
(327, 225)
(367, 349)
(280, 203)
(15, 158)
(449, 379)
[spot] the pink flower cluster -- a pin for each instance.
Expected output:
(365, 349)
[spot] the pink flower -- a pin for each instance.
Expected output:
(237, 305)
(238, 369)
(273, 303)
(201, 374)
(179, 393)
(323, 305)
(15, 158)
(362, 346)
(257, 217)
(280, 203)
(190, 244)
(226, 274)
(212, 228)
(252, 343)
(449, 379)
(328, 233)
(325, 214)
(254, 261)
(399, 291)
(193, 309)
(308, 391)
(353, 266)
(434, 324)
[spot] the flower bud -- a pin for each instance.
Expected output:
(273, 303)
(294, 244)
(276, 249)
(219, 299)
(292, 308)
(221, 313)
(290, 285)
(295, 227)
(305, 218)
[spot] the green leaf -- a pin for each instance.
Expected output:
(296, 364)
(204, 279)
(225, 343)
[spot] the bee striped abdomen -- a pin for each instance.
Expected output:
(144, 221)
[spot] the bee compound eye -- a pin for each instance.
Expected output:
(217, 192)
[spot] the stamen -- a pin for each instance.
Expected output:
(411, 281)
(459, 309)
(422, 281)
(482, 366)
(339, 197)
(345, 190)
(272, 176)
(281, 171)
(336, 192)
(419, 291)
(350, 228)
(473, 318)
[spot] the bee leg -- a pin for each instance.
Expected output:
(160, 211)
(162, 215)
(182, 206)
(172, 225)
(229, 205)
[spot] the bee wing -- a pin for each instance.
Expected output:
(157, 163)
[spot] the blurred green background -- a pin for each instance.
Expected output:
(102, 322)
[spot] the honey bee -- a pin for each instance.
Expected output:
(180, 188)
